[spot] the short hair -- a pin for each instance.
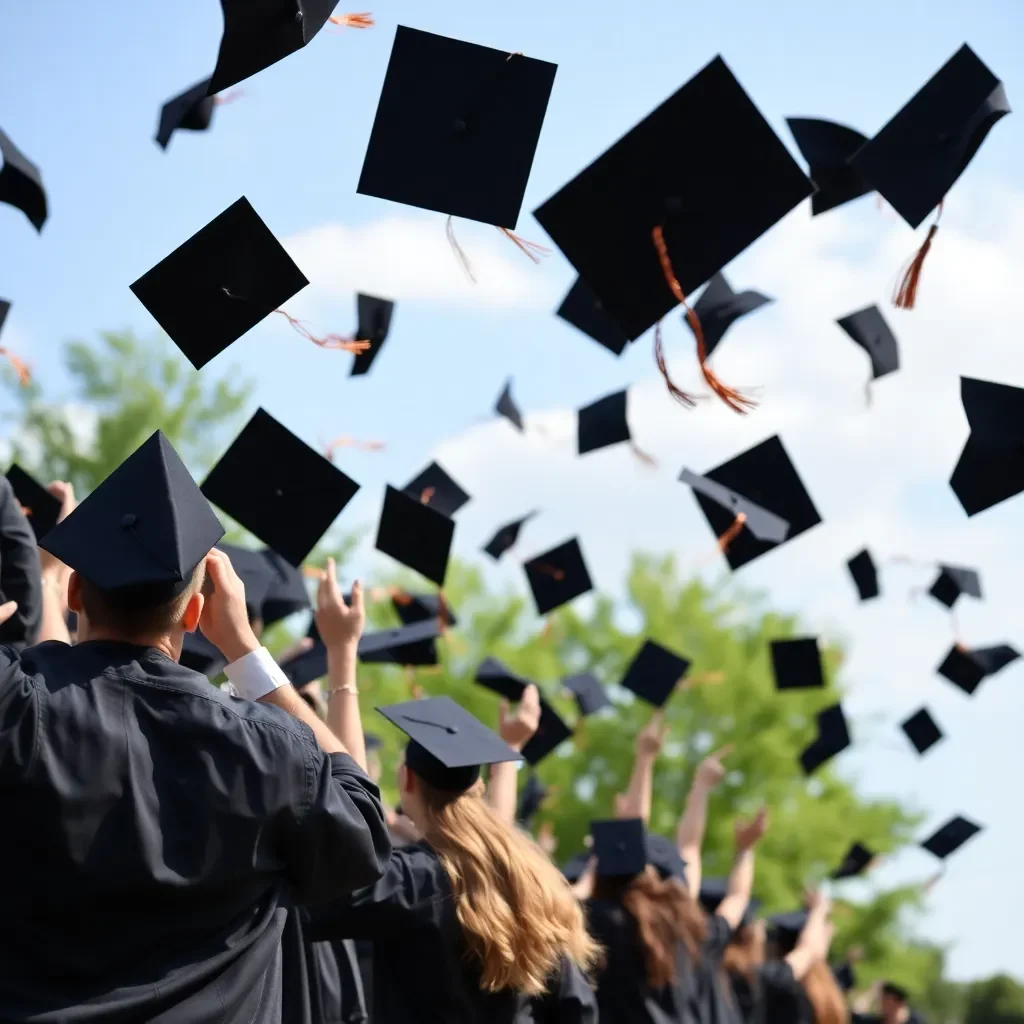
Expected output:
(138, 611)
(890, 988)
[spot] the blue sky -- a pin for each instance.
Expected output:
(80, 91)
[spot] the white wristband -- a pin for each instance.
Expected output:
(255, 674)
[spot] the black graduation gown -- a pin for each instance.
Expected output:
(782, 997)
(421, 973)
(19, 572)
(154, 827)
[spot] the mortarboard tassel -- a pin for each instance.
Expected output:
(732, 532)
(646, 458)
(425, 495)
(19, 367)
(228, 97)
(736, 400)
(905, 296)
(532, 249)
(659, 360)
(364, 20)
(463, 259)
(351, 442)
(335, 341)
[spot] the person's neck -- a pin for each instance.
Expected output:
(161, 642)
(900, 1016)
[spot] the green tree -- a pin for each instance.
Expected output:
(997, 1000)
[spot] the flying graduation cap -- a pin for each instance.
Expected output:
(954, 581)
(654, 673)
(991, 466)
(552, 732)
(506, 536)
(374, 325)
(558, 576)
(796, 664)
(506, 406)
(867, 327)
(41, 508)
(950, 837)
(764, 525)
(589, 693)
(719, 307)
(412, 645)
(21, 184)
(967, 668)
(497, 677)
(585, 311)
(603, 423)
(922, 731)
(412, 608)
(828, 147)
(832, 739)
(865, 574)
(434, 487)
(191, 111)
(857, 859)
(415, 534)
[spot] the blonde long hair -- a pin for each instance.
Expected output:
(517, 912)
(824, 995)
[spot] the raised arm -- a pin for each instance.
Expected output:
(516, 729)
(690, 833)
(636, 801)
(812, 945)
(741, 878)
(19, 572)
(54, 575)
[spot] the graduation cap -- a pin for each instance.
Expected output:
(220, 283)
(966, 669)
(286, 589)
(374, 324)
(574, 867)
(867, 327)
(531, 797)
(890, 988)
(5, 308)
(416, 535)
(551, 732)
(589, 693)
(602, 423)
(951, 837)
(507, 407)
(714, 890)
(447, 745)
(620, 846)
(664, 855)
(412, 645)
(500, 679)
(764, 525)
(796, 664)
(766, 477)
(506, 536)
(191, 111)
(654, 673)
(434, 487)
(372, 741)
(828, 147)
(456, 128)
(40, 507)
(558, 576)
(412, 608)
(954, 581)
(21, 184)
(993, 659)
(833, 738)
(857, 859)
(865, 574)
(920, 728)
(585, 311)
(200, 655)
(278, 487)
(307, 666)
(991, 466)
(719, 307)
(257, 35)
(785, 930)
(143, 531)
(705, 150)
(255, 572)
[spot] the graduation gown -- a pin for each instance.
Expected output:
(19, 572)
(155, 827)
(421, 972)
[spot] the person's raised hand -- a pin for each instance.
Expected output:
(711, 771)
(338, 624)
(749, 833)
(225, 622)
(7, 609)
(651, 738)
(517, 727)
(65, 494)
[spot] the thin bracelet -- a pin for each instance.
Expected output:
(347, 688)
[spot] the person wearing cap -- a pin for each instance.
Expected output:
(475, 918)
(166, 824)
(893, 1004)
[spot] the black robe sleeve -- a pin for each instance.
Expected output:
(570, 1001)
(20, 720)
(19, 572)
(784, 997)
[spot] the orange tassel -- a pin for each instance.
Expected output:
(732, 533)
(533, 251)
(457, 249)
(350, 442)
(659, 360)
(736, 400)
(335, 341)
(228, 97)
(426, 495)
(402, 597)
(25, 510)
(549, 570)
(905, 295)
(20, 368)
(644, 457)
(364, 20)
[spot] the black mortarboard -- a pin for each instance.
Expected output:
(785, 930)
(890, 988)
(867, 327)
(620, 847)
(991, 466)
(531, 797)
(308, 665)
(664, 854)
(5, 308)
(198, 654)
(39, 505)
(654, 672)
(865, 574)
(558, 576)
(719, 307)
(589, 693)
(951, 837)
(766, 476)
(498, 677)
(602, 423)
(254, 571)
(257, 35)
(918, 156)
(411, 645)
(447, 745)
(796, 664)
(143, 531)
(833, 738)
(191, 111)
(921, 730)
(21, 184)
(764, 525)
(412, 608)
(374, 325)
(286, 591)
(845, 976)
(962, 670)
(714, 890)
(281, 490)
(220, 283)
(507, 407)
(954, 581)
(415, 534)
(857, 858)
(551, 733)
(992, 659)
(827, 147)
(434, 487)
(585, 311)
(456, 128)
(712, 198)
(506, 536)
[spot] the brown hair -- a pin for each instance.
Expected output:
(517, 912)
(665, 915)
(745, 952)
(130, 613)
(824, 995)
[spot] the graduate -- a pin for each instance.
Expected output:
(893, 1006)
(472, 923)
(164, 823)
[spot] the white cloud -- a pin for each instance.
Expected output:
(409, 258)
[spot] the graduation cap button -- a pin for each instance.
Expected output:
(128, 520)
(460, 125)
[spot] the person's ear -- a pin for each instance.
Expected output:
(406, 779)
(192, 613)
(75, 592)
